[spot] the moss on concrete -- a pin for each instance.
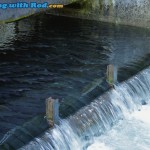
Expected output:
(21, 17)
(114, 11)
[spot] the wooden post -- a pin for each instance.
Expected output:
(52, 111)
(112, 74)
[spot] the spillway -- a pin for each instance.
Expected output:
(78, 131)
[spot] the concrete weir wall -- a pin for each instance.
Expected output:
(128, 12)
(12, 14)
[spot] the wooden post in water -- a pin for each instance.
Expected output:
(52, 111)
(112, 74)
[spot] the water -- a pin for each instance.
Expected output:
(41, 58)
(91, 127)
(131, 133)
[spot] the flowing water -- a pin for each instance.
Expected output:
(131, 133)
(90, 128)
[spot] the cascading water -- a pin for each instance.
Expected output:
(133, 133)
(78, 131)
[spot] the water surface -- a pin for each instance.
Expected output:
(61, 57)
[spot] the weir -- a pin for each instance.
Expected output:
(98, 117)
(115, 48)
(35, 76)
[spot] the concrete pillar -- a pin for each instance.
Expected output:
(52, 111)
(112, 72)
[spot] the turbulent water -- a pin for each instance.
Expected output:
(131, 133)
(90, 128)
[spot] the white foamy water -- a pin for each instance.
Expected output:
(133, 133)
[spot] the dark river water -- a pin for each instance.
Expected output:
(63, 58)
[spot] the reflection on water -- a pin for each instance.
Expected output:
(7, 34)
(63, 58)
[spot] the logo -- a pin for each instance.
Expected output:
(30, 5)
